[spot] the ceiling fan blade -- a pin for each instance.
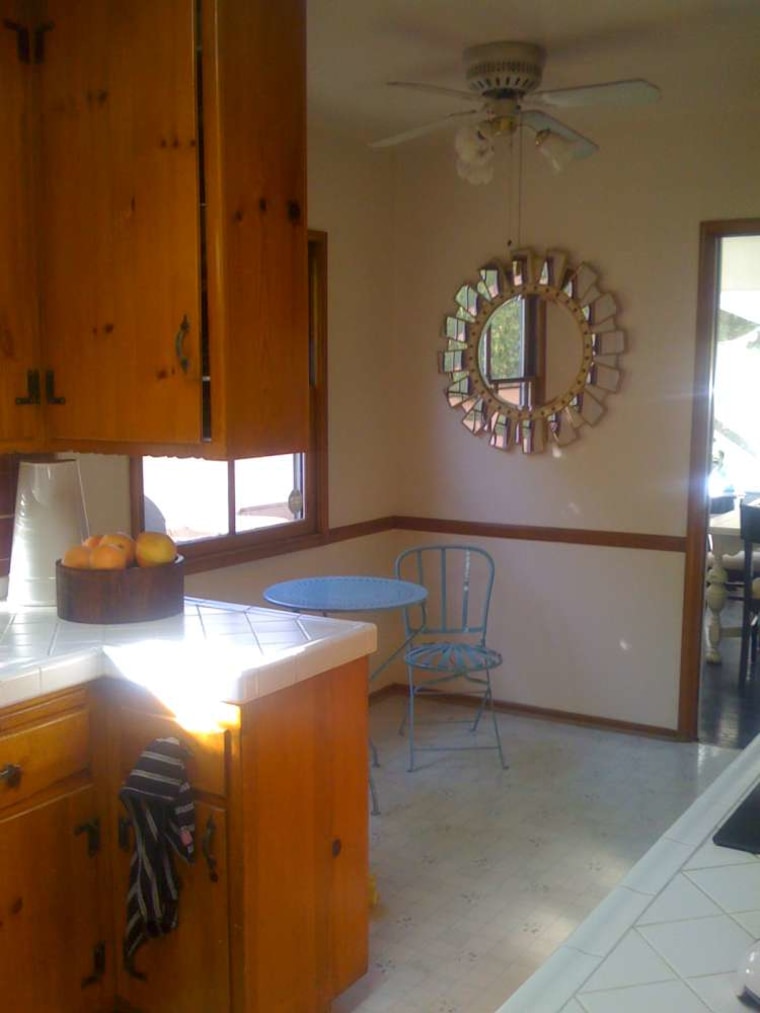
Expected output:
(582, 146)
(635, 91)
(428, 128)
(434, 89)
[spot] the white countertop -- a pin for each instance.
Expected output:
(671, 936)
(217, 651)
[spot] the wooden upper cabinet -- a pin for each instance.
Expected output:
(120, 221)
(255, 117)
(171, 224)
(19, 423)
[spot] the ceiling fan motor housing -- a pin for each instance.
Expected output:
(503, 69)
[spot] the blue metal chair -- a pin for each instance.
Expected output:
(448, 634)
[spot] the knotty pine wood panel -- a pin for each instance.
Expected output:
(119, 215)
(255, 109)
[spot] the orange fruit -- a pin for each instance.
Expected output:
(77, 557)
(122, 541)
(152, 548)
(92, 541)
(108, 557)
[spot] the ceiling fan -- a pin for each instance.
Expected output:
(502, 78)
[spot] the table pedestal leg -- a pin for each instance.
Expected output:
(715, 599)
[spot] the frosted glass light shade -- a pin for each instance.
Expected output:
(50, 516)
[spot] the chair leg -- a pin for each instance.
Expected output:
(410, 712)
(479, 715)
(495, 720)
(744, 655)
(373, 795)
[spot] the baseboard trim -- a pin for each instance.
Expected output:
(543, 714)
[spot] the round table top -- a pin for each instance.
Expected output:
(345, 594)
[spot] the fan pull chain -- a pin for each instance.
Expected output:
(514, 201)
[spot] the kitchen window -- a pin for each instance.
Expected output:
(228, 511)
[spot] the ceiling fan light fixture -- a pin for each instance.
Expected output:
(476, 173)
(558, 151)
(472, 144)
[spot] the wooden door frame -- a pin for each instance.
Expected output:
(710, 235)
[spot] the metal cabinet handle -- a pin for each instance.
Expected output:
(11, 774)
(206, 846)
(92, 829)
(179, 344)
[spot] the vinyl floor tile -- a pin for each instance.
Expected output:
(483, 872)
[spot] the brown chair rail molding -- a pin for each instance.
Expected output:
(436, 525)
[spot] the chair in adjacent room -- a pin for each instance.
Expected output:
(449, 652)
(750, 534)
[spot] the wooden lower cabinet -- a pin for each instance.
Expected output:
(49, 909)
(273, 913)
(284, 928)
(53, 927)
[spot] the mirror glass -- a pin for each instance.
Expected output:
(531, 350)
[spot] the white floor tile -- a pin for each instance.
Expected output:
(706, 946)
(718, 992)
(680, 899)
(666, 997)
(632, 962)
(733, 887)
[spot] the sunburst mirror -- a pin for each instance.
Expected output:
(532, 351)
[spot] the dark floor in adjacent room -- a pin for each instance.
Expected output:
(729, 716)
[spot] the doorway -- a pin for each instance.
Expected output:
(725, 465)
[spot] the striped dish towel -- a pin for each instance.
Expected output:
(160, 805)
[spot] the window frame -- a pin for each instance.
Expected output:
(230, 549)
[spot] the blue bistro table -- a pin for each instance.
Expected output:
(349, 594)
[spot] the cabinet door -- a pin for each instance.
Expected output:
(49, 916)
(305, 904)
(186, 971)
(345, 736)
(119, 222)
(256, 175)
(19, 423)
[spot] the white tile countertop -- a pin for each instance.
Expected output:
(672, 935)
(218, 651)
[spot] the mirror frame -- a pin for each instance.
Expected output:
(551, 277)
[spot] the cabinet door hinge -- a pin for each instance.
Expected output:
(22, 39)
(38, 53)
(30, 46)
(98, 965)
(123, 827)
(32, 388)
(92, 829)
(50, 395)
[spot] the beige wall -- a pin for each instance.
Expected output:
(593, 631)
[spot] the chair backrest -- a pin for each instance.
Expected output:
(459, 580)
(749, 520)
(749, 525)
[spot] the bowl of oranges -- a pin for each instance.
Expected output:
(115, 578)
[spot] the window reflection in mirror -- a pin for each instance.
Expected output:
(529, 352)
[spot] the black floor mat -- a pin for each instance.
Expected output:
(741, 830)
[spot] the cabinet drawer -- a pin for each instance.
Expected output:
(34, 758)
(205, 764)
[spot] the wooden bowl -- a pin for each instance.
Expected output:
(134, 595)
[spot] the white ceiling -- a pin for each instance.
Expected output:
(701, 53)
